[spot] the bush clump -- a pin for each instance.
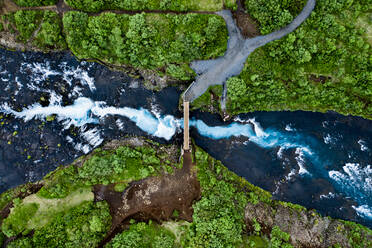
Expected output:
(149, 41)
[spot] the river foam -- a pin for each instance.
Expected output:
(356, 181)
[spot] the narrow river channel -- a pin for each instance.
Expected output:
(54, 109)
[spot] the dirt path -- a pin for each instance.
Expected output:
(217, 71)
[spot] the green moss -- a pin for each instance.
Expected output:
(255, 242)
(82, 226)
(144, 235)
(120, 187)
(50, 118)
(297, 207)
(1, 27)
(17, 220)
(9, 195)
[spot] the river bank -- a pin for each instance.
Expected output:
(55, 109)
(307, 83)
(206, 185)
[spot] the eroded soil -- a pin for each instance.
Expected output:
(247, 25)
(153, 198)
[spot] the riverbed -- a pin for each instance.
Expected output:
(54, 109)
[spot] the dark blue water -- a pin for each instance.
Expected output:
(54, 109)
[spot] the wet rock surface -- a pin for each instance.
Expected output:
(306, 228)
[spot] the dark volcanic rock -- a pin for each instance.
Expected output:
(307, 228)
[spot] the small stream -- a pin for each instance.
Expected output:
(54, 109)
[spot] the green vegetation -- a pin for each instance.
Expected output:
(218, 219)
(323, 65)
(144, 235)
(122, 166)
(9, 195)
(279, 239)
(81, 226)
(34, 212)
(34, 3)
(50, 33)
(41, 28)
(255, 242)
(274, 14)
(26, 23)
(17, 221)
(150, 41)
(356, 240)
(77, 221)
(209, 101)
(174, 5)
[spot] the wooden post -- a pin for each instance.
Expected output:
(186, 145)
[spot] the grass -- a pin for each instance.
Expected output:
(207, 5)
(365, 22)
(48, 208)
(120, 166)
(255, 242)
(178, 228)
(8, 196)
(34, 212)
(18, 218)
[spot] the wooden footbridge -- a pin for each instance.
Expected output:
(186, 134)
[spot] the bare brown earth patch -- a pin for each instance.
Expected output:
(247, 25)
(154, 198)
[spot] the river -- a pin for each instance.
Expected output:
(54, 109)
